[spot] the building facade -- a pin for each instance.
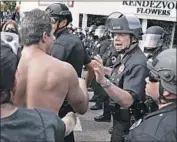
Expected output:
(150, 12)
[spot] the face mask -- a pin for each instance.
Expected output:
(11, 39)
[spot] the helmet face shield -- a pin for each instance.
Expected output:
(90, 30)
(79, 30)
(100, 33)
(152, 41)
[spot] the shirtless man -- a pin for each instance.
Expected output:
(43, 81)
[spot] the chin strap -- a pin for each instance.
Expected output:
(58, 30)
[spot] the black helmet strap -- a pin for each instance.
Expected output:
(58, 24)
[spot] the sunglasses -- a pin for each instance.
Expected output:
(153, 77)
(53, 20)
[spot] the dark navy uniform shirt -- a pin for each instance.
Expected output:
(159, 126)
(130, 72)
(109, 57)
(69, 48)
(101, 47)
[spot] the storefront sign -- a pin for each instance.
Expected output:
(69, 3)
(163, 8)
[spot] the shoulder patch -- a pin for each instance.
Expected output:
(136, 124)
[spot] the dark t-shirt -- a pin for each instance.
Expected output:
(32, 125)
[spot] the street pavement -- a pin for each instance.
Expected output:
(88, 130)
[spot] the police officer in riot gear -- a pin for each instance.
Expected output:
(90, 39)
(161, 124)
(80, 34)
(100, 47)
(108, 59)
(153, 41)
(101, 34)
(67, 47)
(91, 30)
(127, 80)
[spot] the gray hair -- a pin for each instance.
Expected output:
(33, 25)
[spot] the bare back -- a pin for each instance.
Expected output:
(41, 82)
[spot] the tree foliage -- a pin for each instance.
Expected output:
(8, 6)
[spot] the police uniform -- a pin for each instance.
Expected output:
(157, 126)
(89, 44)
(108, 58)
(100, 48)
(81, 36)
(129, 73)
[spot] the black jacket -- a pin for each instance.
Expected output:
(157, 126)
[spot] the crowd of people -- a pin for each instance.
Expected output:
(42, 89)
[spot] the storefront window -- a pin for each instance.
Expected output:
(96, 20)
(175, 38)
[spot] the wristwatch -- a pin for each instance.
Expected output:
(107, 85)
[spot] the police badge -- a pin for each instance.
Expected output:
(121, 68)
(136, 124)
(98, 45)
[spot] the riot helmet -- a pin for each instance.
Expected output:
(153, 37)
(86, 29)
(163, 68)
(124, 23)
(92, 29)
(101, 31)
(79, 30)
(59, 12)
